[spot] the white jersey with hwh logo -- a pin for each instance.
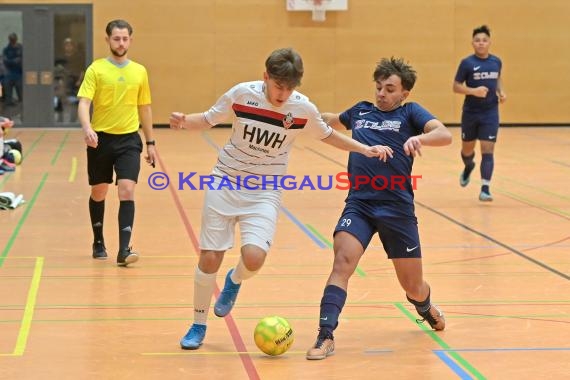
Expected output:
(262, 134)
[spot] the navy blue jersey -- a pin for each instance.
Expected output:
(475, 72)
(389, 181)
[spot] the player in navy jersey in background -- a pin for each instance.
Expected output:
(267, 116)
(479, 79)
(403, 129)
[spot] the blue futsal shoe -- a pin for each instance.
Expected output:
(194, 337)
(485, 197)
(227, 297)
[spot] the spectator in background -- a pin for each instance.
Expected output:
(68, 74)
(12, 59)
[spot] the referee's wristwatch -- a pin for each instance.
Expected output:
(151, 142)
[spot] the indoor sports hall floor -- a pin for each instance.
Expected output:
(499, 270)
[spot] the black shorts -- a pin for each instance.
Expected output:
(121, 153)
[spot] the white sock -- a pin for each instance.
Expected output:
(1, 147)
(241, 273)
(204, 284)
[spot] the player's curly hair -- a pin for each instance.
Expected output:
(285, 66)
(396, 66)
(482, 29)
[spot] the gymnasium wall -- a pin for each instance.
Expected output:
(197, 49)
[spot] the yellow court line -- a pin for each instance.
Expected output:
(29, 310)
(73, 172)
(217, 353)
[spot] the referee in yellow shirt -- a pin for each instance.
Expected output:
(120, 93)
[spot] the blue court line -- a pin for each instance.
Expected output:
(209, 140)
(453, 365)
(442, 354)
(330, 245)
(303, 228)
(439, 340)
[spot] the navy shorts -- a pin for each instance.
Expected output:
(398, 231)
(481, 125)
(121, 153)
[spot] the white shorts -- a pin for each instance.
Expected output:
(255, 211)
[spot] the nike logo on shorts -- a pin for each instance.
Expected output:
(411, 249)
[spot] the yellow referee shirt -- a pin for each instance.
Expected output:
(115, 92)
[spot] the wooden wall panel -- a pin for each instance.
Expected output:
(197, 49)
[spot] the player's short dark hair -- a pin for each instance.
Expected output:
(118, 24)
(396, 66)
(285, 66)
(482, 29)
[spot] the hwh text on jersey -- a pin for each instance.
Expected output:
(263, 136)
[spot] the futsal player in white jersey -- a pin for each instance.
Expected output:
(267, 116)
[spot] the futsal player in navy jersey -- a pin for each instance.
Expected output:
(479, 79)
(267, 116)
(374, 207)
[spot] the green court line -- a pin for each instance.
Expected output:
(328, 243)
(73, 171)
(554, 210)
(441, 342)
(29, 310)
(509, 181)
(59, 149)
(28, 206)
(539, 189)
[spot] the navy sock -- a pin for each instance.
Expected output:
(97, 213)
(469, 164)
(126, 219)
(468, 160)
(331, 306)
(487, 165)
(421, 306)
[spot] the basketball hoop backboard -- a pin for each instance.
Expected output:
(318, 7)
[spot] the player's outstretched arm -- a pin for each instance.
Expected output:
(196, 121)
(343, 142)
